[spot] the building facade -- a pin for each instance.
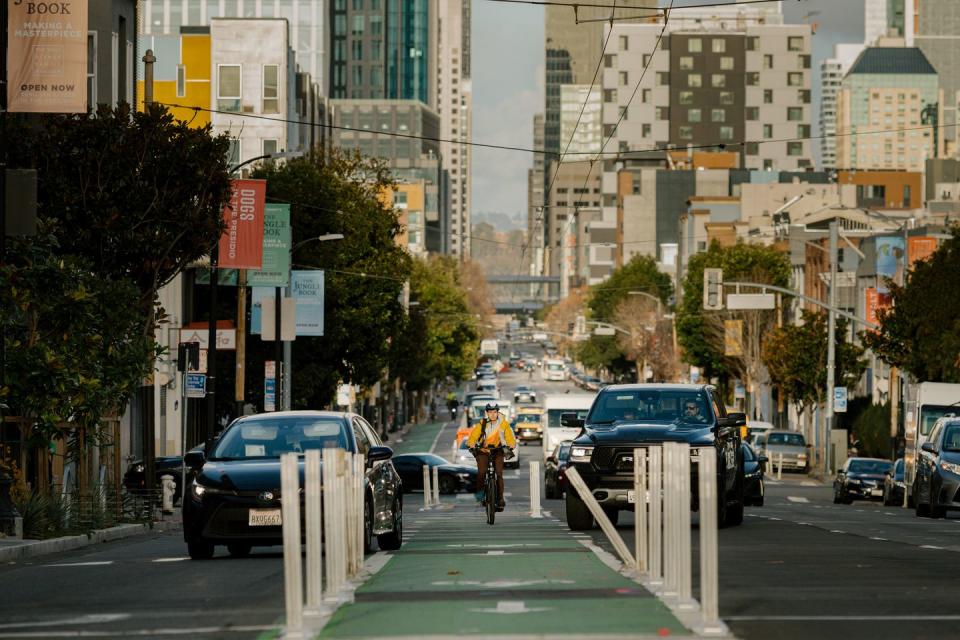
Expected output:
(581, 120)
(832, 71)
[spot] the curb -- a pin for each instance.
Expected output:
(32, 548)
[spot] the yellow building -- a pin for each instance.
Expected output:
(181, 74)
(409, 200)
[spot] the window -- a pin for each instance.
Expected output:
(794, 114)
(609, 60)
(623, 113)
(358, 25)
(686, 97)
(645, 95)
(663, 113)
(795, 43)
(752, 113)
(646, 130)
(357, 46)
(718, 115)
(376, 25)
(803, 62)
(270, 146)
(694, 80)
(726, 133)
(794, 148)
(663, 78)
(609, 95)
(718, 80)
(752, 149)
(719, 45)
(228, 87)
(803, 131)
(803, 95)
(753, 43)
(686, 133)
(695, 45)
(181, 81)
(753, 78)
(271, 90)
(726, 62)
(233, 152)
(768, 131)
(624, 43)
(646, 60)
(357, 75)
(768, 96)
(726, 97)
(693, 115)
(795, 78)
(624, 78)
(686, 63)
(768, 61)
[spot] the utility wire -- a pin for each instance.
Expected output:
(660, 11)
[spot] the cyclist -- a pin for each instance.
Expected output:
(492, 431)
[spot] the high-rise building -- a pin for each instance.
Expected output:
(886, 96)
(581, 120)
(306, 19)
(832, 71)
(535, 200)
(938, 36)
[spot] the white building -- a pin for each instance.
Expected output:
(581, 120)
(832, 71)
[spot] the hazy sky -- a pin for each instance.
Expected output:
(508, 86)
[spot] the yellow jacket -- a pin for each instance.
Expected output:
(493, 435)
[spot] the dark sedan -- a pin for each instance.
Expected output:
(893, 485)
(135, 478)
(936, 486)
(753, 464)
(235, 499)
(554, 471)
(860, 479)
(453, 478)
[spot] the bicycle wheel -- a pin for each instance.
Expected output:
(492, 498)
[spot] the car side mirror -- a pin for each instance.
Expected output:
(571, 420)
(737, 419)
(376, 454)
(928, 447)
(194, 459)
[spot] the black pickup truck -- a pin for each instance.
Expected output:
(627, 417)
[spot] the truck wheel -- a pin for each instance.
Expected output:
(613, 515)
(579, 517)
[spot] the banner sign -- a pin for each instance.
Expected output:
(875, 301)
(47, 56)
(890, 252)
(920, 248)
(307, 289)
(270, 385)
(241, 245)
(275, 271)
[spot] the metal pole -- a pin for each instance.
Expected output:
(292, 569)
(211, 426)
(148, 60)
(685, 548)
(183, 437)
(278, 347)
(669, 521)
(239, 385)
(831, 346)
(314, 533)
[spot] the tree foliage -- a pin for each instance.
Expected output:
(796, 357)
(920, 332)
(745, 262)
(364, 272)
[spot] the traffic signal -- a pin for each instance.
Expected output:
(188, 356)
(713, 289)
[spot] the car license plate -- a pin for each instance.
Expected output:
(876, 491)
(632, 497)
(265, 518)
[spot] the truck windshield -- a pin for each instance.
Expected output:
(930, 413)
(651, 405)
(555, 366)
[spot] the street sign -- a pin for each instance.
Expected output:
(751, 301)
(196, 385)
(839, 399)
(269, 386)
(226, 338)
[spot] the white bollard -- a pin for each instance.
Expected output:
(685, 547)
(779, 465)
(436, 486)
(292, 569)
(709, 576)
(312, 497)
(329, 519)
(640, 510)
(655, 521)
(359, 476)
(670, 532)
(535, 489)
(343, 541)
(426, 487)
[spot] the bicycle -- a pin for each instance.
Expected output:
(491, 498)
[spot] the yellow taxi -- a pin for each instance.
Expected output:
(527, 424)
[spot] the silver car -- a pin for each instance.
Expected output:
(789, 444)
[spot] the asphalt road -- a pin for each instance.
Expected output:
(801, 567)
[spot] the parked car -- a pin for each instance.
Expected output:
(592, 383)
(554, 476)
(789, 444)
(235, 498)
(755, 430)
(860, 479)
(135, 478)
(893, 485)
(753, 465)
(936, 487)
(453, 478)
(624, 417)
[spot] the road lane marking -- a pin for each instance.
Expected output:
(180, 559)
(799, 499)
(132, 633)
(99, 563)
(931, 546)
(836, 531)
(512, 606)
(878, 539)
(844, 618)
(93, 618)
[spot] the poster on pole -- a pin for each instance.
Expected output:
(195, 385)
(920, 248)
(307, 289)
(874, 302)
(275, 271)
(839, 399)
(241, 245)
(47, 56)
(890, 261)
(270, 385)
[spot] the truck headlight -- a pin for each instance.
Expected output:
(580, 454)
(801, 456)
(951, 467)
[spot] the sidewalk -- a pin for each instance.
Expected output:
(457, 576)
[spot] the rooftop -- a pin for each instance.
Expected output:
(900, 60)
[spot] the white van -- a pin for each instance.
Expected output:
(557, 404)
(554, 369)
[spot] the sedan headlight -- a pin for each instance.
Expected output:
(138, 468)
(951, 467)
(200, 490)
(580, 454)
(463, 476)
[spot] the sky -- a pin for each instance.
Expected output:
(508, 59)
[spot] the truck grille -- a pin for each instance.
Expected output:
(620, 459)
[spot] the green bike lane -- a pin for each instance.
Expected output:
(456, 576)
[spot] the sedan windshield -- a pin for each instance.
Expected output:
(869, 466)
(528, 418)
(790, 439)
(272, 437)
(651, 405)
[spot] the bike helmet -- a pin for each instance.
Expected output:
(491, 407)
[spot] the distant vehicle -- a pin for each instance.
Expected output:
(469, 397)
(475, 413)
(554, 370)
(860, 479)
(540, 337)
(554, 472)
(924, 404)
(755, 429)
(753, 490)
(463, 456)
(451, 477)
(525, 394)
(135, 478)
(592, 383)
(489, 386)
(554, 407)
(937, 485)
(894, 486)
(788, 444)
(489, 347)
(527, 424)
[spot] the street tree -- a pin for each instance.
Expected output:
(563, 315)
(650, 342)
(920, 331)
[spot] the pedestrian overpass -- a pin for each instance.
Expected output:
(523, 294)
